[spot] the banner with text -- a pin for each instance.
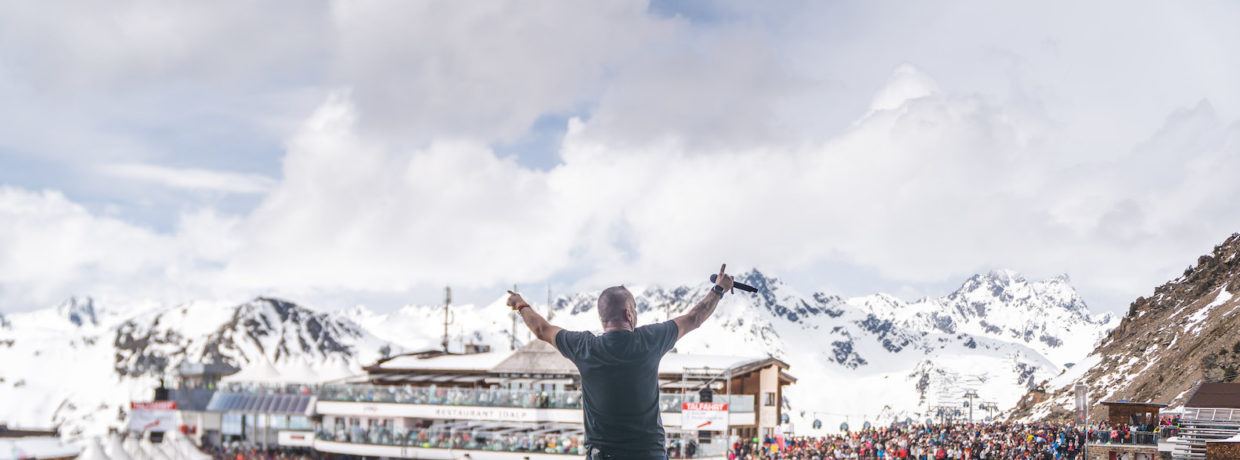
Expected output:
(1081, 412)
(155, 416)
(704, 416)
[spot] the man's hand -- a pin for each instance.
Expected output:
(698, 314)
(537, 324)
(515, 301)
(724, 280)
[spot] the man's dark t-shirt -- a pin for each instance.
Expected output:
(620, 386)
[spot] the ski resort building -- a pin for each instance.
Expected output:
(1211, 415)
(527, 405)
(1140, 442)
(19, 444)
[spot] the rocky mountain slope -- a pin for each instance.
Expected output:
(76, 366)
(1187, 331)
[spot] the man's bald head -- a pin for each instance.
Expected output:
(616, 306)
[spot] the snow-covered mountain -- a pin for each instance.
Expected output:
(877, 357)
(76, 366)
(1186, 332)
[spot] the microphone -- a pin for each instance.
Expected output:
(735, 284)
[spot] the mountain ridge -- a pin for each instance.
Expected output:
(907, 346)
(867, 348)
(102, 365)
(1187, 331)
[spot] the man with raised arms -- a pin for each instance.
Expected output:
(620, 368)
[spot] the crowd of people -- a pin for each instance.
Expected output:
(983, 441)
(454, 396)
(540, 439)
(1134, 434)
(509, 440)
(237, 452)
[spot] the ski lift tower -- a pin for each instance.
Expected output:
(971, 394)
(513, 315)
(447, 315)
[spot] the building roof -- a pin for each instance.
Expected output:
(478, 362)
(6, 432)
(1224, 395)
(676, 363)
(191, 399)
(1132, 403)
(36, 447)
(536, 357)
(190, 369)
(260, 403)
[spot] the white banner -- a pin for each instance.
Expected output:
(510, 414)
(1082, 404)
(704, 416)
(295, 438)
(158, 416)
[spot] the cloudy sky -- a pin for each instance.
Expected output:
(345, 152)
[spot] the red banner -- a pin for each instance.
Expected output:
(704, 406)
(154, 405)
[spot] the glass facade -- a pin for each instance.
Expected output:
(546, 438)
(498, 397)
(495, 436)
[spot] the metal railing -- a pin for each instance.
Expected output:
(461, 438)
(530, 439)
(486, 397)
(1133, 437)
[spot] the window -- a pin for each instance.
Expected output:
(769, 399)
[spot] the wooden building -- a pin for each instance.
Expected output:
(1212, 414)
(1141, 441)
(1227, 449)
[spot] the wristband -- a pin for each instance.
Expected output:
(520, 306)
(717, 289)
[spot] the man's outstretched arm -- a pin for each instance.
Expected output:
(538, 325)
(698, 314)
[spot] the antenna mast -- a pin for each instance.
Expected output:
(513, 345)
(447, 315)
(550, 306)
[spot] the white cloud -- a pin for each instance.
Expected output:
(88, 50)
(351, 214)
(49, 244)
(191, 178)
(780, 138)
(52, 248)
(430, 70)
(929, 188)
(922, 188)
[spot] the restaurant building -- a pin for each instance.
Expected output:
(527, 404)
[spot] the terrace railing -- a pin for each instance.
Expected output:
(509, 439)
(486, 397)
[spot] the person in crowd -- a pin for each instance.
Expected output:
(988, 441)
